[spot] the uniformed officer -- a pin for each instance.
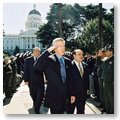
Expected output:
(7, 76)
(101, 57)
(14, 75)
(108, 79)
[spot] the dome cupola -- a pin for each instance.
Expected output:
(34, 11)
(34, 20)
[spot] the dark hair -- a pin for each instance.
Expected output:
(74, 52)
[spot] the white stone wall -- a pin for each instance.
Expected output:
(26, 40)
(33, 22)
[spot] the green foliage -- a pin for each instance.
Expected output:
(46, 34)
(89, 37)
(79, 26)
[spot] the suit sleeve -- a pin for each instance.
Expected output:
(26, 71)
(51, 74)
(40, 64)
(72, 84)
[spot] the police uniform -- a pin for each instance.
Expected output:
(108, 84)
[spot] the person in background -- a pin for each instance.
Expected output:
(108, 79)
(7, 77)
(14, 75)
(34, 79)
(102, 57)
(90, 61)
(35, 82)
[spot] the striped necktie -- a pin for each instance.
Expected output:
(81, 69)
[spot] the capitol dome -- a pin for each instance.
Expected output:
(34, 11)
(34, 20)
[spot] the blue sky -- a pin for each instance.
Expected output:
(15, 14)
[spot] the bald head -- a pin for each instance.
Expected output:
(36, 51)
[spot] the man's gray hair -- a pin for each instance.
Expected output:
(36, 48)
(58, 39)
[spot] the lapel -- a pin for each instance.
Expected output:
(76, 68)
(57, 65)
(83, 68)
(66, 66)
(31, 60)
(77, 71)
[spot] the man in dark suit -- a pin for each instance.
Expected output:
(35, 82)
(58, 74)
(34, 78)
(80, 76)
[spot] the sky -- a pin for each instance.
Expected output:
(15, 14)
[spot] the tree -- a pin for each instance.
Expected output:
(73, 19)
(60, 19)
(89, 37)
(52, 29)
(17, 50)
(46, 34)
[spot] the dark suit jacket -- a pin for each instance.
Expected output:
(35, 79)
(81, 84)
(57, 91)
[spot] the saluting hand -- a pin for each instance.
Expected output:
(51, 48)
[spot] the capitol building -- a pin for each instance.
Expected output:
(25, 40)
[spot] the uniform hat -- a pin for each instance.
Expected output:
(13, 57)
(109, 47)
(7, 60)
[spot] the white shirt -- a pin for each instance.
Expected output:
(77, 64)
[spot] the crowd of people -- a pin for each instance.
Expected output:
(70, 77)
(13, 67)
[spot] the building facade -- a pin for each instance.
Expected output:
(25, 40)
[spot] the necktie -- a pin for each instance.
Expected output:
(35, 60)
(81, 70)
(62, 69)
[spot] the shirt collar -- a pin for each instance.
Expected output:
(77, 63)
(34, 57)
(58, 56)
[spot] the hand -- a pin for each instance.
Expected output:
(26, 83)
(51, 48)
(72, 99)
